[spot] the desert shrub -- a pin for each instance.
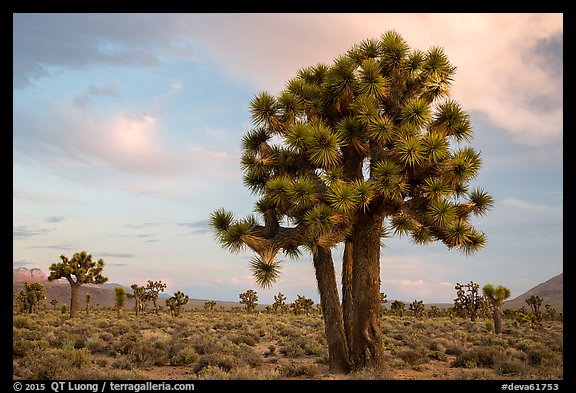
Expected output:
(220, 360)
(21, 347)
(293, 351)
(491, 339)
(42, 365)
(211, 373)
(247, 338)
(120, 328)
(437, 355)
(79, 342)
(106, 337)
(53, 364)
(478, 357)
(539, 354)
(421, 325)
(127, 342)
(23, 322)
(80, 328)
(412, 356)
(454, 348)
(251, 373)
(184, 357)
(314, 347)
(102, 324)
(247, 354)
(306, 370)
(152, 352)
(512, 367)
(78, 357)
(86, 374)
(95, 344)
(31, 334)
(205, 344)
(123, 363)
(368, 373)
(436, 345)
(101, 362)
(474, 374)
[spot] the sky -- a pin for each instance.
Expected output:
(127, 132)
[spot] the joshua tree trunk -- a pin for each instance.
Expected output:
(74, 289)
(347, 291)
(333, 319)
(497, 320)
(367, 349)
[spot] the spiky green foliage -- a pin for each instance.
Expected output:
(265, 272)
(496, 295)
(302, 305)
(78, 270)
(30, 298)
(374, 134)
(153, 289)
(249, 299)
(324, 146)
(384, 104)
(343, 197)
(139, 295)
(120, 293)
(302, 192)
(176, 303)
(468, 302)
(279, 304)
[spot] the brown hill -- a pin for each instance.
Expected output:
(552, 291)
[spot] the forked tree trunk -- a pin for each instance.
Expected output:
(366, 335)
(332, 311)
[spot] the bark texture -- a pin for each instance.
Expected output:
(332, 311)
(366, 337)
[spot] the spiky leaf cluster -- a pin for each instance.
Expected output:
(80, 269)
(376, 129)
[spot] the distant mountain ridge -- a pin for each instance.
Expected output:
(551, 291)
(100, 295)
(24, 274)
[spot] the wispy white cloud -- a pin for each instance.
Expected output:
(26, 231)
(418, 289)
(527, 207)
(135, 143)
(53, 219)
(84, 100)
(509, 65)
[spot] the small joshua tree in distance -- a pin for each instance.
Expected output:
(120, 298)
(31, 297)
(496, 297)
(176, 302)
(153, 289)
(78, 270)
(249, 299)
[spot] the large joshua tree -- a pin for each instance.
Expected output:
(348, 153)
(78, 270)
